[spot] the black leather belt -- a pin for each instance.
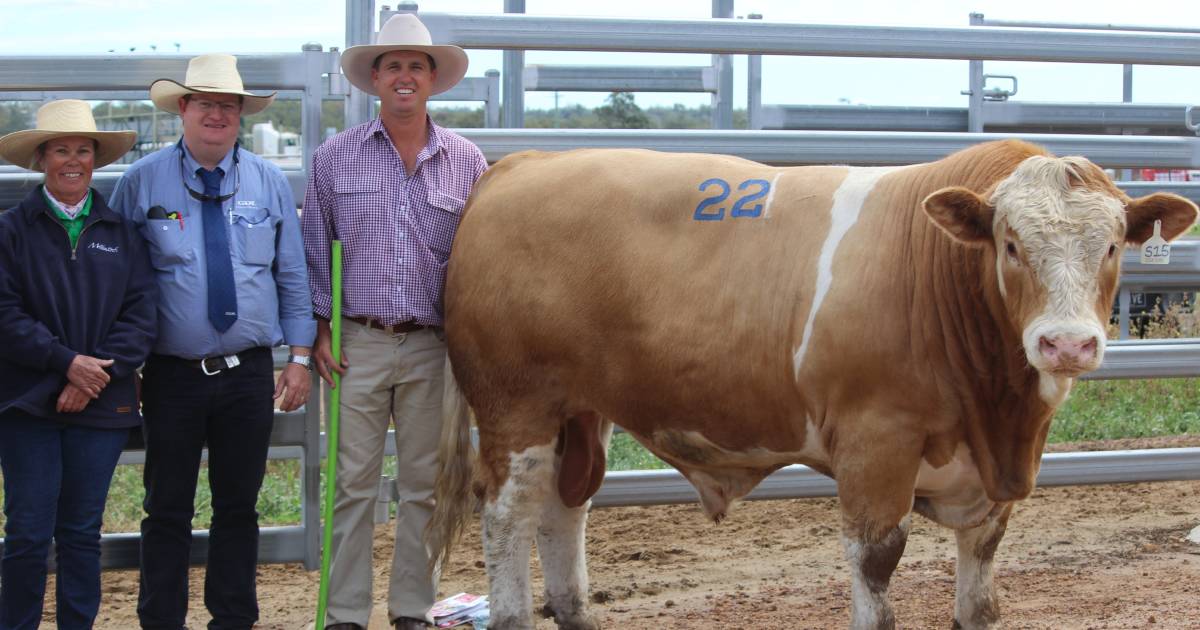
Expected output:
(217, 364)
(402, 327)
(213, 365)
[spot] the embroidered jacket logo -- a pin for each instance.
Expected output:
(111, 249)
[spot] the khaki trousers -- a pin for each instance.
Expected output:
(390, 379)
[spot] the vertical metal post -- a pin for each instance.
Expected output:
(491, 107)
(975, 86)
(360, 30)
(754, 86)
(514, 77)
(310, 107)
(1126, 97)
(1123, 313)
(722, 99)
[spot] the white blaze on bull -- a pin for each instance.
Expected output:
(847, 204)
(771, 195)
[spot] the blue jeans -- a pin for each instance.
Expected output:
(56, 479)
(231, 413)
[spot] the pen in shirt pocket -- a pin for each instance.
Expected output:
(158, 212)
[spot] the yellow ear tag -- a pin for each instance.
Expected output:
(1156, 251)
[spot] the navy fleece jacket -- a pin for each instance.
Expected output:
(98, 298)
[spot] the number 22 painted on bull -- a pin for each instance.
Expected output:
(739, 208)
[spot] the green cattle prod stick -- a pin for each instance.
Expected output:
(331, 429)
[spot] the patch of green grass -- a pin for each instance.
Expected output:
(1109, 410)
(278, 502)
(624, 453)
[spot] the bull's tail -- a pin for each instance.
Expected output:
(455, 502)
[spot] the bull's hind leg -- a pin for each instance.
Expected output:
(582, 445)
(509, 519)
(975, 603)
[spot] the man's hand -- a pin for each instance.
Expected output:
(87, 373)
(323, 354)
(72, 399)
(294, 384)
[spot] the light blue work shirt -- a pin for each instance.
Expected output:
(273, 301)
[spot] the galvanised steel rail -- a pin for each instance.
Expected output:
(661, 487)
(794, 148)
(748, 37)
(550, 78)
(1027, 116)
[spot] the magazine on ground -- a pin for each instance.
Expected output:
(458, 610)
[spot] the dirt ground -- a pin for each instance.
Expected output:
(1111, 556)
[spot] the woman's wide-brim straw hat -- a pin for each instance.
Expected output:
(404, 31)
(61, 119)
(208, 74)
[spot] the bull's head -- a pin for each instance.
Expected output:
(1057, 227)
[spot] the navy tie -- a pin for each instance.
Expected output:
(222, 297)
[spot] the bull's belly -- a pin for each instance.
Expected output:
(953, 494)
(722, 475)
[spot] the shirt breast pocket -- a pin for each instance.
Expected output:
(254, 233)
(168, 243)
(349, 189)
(441, 224)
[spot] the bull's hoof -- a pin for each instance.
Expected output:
(983, 624)
(578, 619)
(510, 623)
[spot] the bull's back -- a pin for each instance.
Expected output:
(655, 288)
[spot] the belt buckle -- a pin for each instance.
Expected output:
(231, 361)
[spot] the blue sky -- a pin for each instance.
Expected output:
(97, 26)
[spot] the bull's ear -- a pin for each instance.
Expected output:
(1176, 213)
(964, 215)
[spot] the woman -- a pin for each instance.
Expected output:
(77, 317)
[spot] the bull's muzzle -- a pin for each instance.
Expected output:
(1069, 354)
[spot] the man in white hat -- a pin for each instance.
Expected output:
(393, 191)
(225, 243)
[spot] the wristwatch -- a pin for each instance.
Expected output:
(304, 360)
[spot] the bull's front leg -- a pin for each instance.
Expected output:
(876, 476)
(975, 604)
(872, 561)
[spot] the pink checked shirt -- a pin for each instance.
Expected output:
(395, 230)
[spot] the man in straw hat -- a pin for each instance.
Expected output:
(225, 242)
(393, 191)
(77, 301)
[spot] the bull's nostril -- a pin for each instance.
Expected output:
(1090, 346)
(1046, 346)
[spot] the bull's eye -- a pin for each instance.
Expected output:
(1112, 251)
(1012, 249)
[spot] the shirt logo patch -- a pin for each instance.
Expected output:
(247, 203)
(111, 249)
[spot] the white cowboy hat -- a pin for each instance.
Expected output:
(60, 119)
(208, 74)
(404, 31)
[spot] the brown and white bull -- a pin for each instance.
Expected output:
(907, 331)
